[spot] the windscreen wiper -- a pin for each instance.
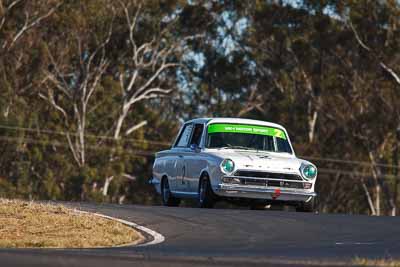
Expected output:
(236, 147)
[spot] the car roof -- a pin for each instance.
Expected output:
(236, 120)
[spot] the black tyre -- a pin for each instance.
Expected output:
(167, 198)
(310, 206)
(206, 198)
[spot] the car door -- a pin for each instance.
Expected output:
(194, 159)
(181, 149)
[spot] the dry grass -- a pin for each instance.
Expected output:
(376, 262)
(32, 225)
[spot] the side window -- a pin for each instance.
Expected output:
(283, 145)
(197, 133)
(183, 140)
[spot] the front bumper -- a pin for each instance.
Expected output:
(156, 183)
(263, 193)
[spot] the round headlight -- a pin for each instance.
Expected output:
(227, 166)
(309, 172)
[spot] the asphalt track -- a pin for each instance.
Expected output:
(230, 237)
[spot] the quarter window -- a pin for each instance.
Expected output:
(197, 133)
(185, 136)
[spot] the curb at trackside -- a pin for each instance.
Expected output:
(156, 238)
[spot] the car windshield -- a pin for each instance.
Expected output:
(248, 137)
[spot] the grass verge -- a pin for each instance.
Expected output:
(33, 225)
(376, 262)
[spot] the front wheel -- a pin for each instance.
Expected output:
(310, 206)
(206, 198)
(167, 198)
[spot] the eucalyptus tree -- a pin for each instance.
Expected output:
(374, 27)
(151, 51)
(20, 23)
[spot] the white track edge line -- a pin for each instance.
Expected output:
(157, 237)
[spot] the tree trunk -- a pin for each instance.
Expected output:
(120, 121)
(377, 198)
(312, 107)
(376, 175)
(395, 159)
(312, 121)
(121, 199)
(107, 183)
(370, 202)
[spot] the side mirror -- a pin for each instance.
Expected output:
(194, 148)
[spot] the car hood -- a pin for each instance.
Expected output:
(256, 160)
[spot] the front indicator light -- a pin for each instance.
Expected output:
(307, 185)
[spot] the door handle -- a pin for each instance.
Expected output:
(181, 156)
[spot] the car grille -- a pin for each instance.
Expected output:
(258, 182)
(256, 174)
(285, 184)
(245, 178)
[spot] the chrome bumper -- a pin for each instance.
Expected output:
(156, 183)
(265, 193)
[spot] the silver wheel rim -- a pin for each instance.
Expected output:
(166, 191)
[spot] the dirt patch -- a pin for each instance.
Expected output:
(32, 225)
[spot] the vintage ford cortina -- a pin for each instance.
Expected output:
(236, 159)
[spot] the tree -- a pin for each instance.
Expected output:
(72, 87)
(146, 68)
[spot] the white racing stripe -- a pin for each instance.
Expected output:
(157, 237)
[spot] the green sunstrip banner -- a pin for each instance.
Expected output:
(242, 128)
